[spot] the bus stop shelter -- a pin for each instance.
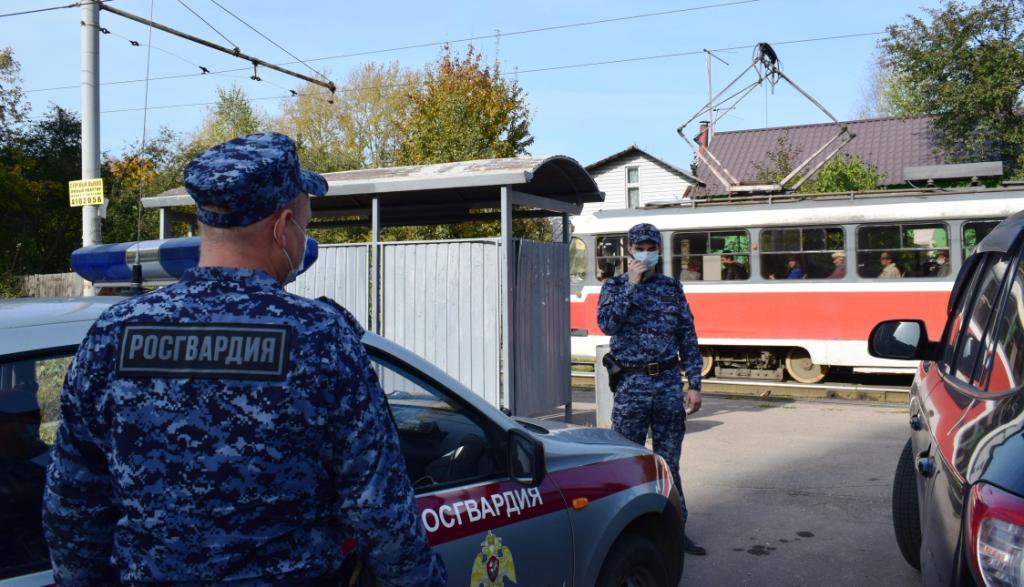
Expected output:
(491, 312)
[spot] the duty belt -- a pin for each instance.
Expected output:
(652, 369)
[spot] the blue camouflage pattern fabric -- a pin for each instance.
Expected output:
(236, 481)
(651, 322)
(644, 232)
(248, 179)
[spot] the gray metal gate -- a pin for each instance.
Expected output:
(540, 349)
(341, 273)
(441, 300)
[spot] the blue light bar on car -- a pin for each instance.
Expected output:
(163, 261)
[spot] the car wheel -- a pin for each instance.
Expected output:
(634, 561)
(906, 519)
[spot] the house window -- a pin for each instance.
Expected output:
(633, 187)
(632, 175)
(634, 197)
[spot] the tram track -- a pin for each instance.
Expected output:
(843, 391)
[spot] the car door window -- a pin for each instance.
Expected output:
(29, 413)
(964, 303)
(444, 443)
(1005, 353)
(976, 323)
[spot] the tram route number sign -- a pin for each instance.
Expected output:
(86, 192)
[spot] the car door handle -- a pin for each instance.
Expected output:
(916, 423)
(925, 465)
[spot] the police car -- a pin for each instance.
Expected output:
(958, 495)
(502, 499)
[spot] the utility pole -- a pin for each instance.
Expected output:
(90, 18)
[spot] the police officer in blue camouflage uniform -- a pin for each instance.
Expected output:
(223, 431)
(651, 327)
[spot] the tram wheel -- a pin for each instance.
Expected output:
(802, 369)
(707, 354)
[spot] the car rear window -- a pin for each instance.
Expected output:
(29, 413)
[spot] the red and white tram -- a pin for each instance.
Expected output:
(796, 286)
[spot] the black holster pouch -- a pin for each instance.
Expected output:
(615, 371)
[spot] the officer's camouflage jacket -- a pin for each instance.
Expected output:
(245, 452)
(648, 322)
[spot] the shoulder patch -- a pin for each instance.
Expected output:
(204, 351)
(346, 315)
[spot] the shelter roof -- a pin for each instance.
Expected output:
(438, 193)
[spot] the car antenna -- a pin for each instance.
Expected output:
(136, 284)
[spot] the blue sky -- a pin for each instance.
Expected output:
(586, 113)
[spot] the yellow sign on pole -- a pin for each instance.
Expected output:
(86, 192)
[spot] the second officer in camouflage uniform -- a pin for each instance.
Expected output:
(651, 327)
(223, 431)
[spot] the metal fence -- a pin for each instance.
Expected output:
(441, 300)
(341, 273)
(52, 285)
(541, 347)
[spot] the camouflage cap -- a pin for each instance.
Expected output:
(644, 233)
(249, 178)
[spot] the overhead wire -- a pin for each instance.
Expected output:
(272, 42)
(435, 43)
(214, 29)
(134, 43)
(551, 68)
(48, 9)
(145, 120)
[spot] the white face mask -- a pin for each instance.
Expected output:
(941, 261)
(648, 258)
(293, 269)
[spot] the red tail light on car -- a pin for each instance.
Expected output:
(995, 522)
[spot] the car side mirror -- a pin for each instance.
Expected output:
(526, 458)
(905, 340)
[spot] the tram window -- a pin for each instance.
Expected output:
(577, 260)
(798, 253)
(974, 232)
(901, 250)
(711, 256)
(611, 254)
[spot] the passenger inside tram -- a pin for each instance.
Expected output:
(889, 268)
(839, 261)
(733, 270)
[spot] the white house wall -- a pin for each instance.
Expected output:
(656, 183)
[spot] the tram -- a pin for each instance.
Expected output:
(792, 285)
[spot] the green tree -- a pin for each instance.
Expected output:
(38, 229)
(965, 66)
(466, 110)
(842, 173)
(139, 173)
(316, 122)
(12, 108)
(232, 116)
(376, 110)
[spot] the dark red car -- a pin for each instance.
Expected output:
(958, 495)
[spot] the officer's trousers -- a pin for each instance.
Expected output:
(643, 403)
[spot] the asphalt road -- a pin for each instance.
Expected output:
(793, 493)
